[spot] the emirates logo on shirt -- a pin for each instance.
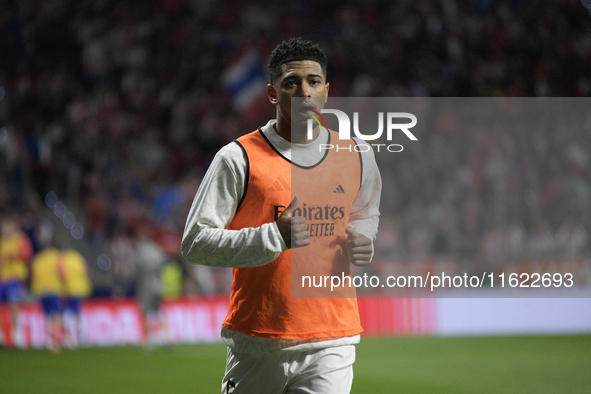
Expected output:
(314, 213)
(321, 220)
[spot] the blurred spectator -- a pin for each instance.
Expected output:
(15, 255)
(148, 261)
(172, 280)
(76, 287)
(120, 247)
(47, 285)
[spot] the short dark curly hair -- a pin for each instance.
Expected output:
(292, 50)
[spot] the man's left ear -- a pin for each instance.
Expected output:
(272, 94)
(326, 86)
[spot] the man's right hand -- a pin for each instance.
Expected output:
(293, 229)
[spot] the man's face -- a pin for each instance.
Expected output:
(302, 78)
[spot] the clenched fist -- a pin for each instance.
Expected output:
(359, 248)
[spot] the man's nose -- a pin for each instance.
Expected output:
(305, 90)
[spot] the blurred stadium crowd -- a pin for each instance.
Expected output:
(115, 109)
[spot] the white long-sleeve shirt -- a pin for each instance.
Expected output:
(207, 241)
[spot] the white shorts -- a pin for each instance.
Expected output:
(317, 371)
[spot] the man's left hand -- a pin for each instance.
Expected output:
(359, 248)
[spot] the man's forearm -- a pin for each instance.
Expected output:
(248, 247)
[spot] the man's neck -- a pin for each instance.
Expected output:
(285, 132)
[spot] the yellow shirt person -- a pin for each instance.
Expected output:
(76, 281)
(47, 285)
(45, 273)
(15, 252)
(60, 280)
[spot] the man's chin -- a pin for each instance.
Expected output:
(300, 121)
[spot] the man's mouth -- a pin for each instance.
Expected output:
(307, 109)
